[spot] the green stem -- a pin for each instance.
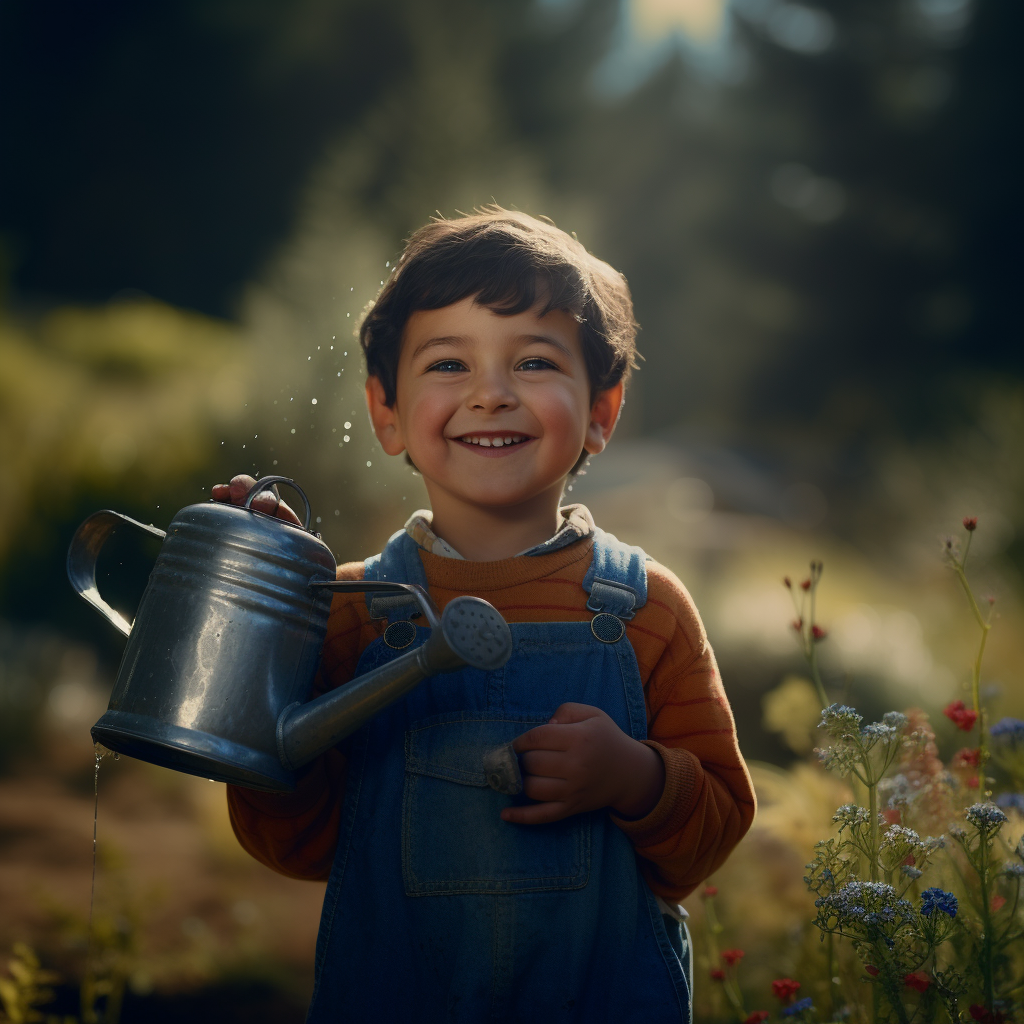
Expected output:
(873, 824)
(986, 923)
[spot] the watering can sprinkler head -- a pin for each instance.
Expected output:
(220, 659)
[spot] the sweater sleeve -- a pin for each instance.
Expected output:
(708, 802)
(296, 833)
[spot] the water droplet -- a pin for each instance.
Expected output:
(293, 430)
(318, 348)
(243, 445)
(339, 373)
(314, 401)
(332, 348)
(337, 511)
(291, 399)
(369, 463)
(347, 425)
(344, 353)
(318, 519)
(275, 462)
(346, 438)
(308, 358)
(351, 289)
(387, 263)
(347, 314)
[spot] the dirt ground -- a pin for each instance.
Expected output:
(186, 907)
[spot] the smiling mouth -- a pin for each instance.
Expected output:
(509, 440)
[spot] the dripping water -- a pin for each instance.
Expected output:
(101, 752)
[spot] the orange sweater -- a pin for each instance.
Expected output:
(708, 802)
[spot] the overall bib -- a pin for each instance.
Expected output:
(436, 909)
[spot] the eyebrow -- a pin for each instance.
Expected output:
(460, 341)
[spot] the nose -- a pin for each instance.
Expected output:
(492, 391)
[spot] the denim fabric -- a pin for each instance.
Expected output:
(436, 909)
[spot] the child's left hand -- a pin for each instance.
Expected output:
(581, 761)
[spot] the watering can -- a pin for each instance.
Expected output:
(216, 676)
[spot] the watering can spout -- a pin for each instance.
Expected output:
(470, 632)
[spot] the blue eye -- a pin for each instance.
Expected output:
(537, 363)
(448, 366)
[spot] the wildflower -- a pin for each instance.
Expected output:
(1014, 800)
(866, 903)
(970, 523)
(997, 903)
(1008, 730)
(892, 815)
(818, 633)
(798, 1007)
(785, 988)
(985, 817)
(838, 759)
(984, 1016)
(840, 721)
(917, 980)
(709, 891)
(967, 757)
(717, 974)
(972, 782)
(850, 814)
(732, 956)
(797, 624)
(871, 969)
(962, 717)
(1013, 870)
(806, 585)
(757, 1017)
(909, 871)
(938, 899)
(787, 582)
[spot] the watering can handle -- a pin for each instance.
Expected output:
(84, 551)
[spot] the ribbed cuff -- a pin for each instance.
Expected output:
(682, 774)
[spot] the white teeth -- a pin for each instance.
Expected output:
(516, 438)
(485, 442)
(497, 442)
(508, 440)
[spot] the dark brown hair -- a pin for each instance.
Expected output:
(508, 261)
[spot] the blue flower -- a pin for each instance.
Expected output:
(985, 817)
(1008, 730)
(938, 899)
(910, 871)
(797, 1007)
(1014, 800)
(1014, 870)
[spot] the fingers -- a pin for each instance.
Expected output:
(552, 764)
(543, 737)
(536, 814)
(266, 501)
(566, 714)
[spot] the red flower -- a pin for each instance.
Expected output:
(757, 1017)
(806, 585)
(972, 782)
(732, 956)
(909, 860)
(871, 969)
(970, 523)
(717, 974)
(892, 815)
(983, 1016)
(818, 633)
(785, 988)
(962, 717)
(917, 980)
(709, 891)
(997, 903)
(968, 757)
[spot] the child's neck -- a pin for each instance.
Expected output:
(483, 533)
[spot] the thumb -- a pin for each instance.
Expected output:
(566, 714)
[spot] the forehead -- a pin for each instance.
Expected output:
(466, 322)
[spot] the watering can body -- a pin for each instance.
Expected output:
(224, 647)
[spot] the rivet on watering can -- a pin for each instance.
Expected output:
(400, 634)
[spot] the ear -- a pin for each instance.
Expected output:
(604, 414)
(384, 418)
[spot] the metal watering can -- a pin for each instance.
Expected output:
(220, 661)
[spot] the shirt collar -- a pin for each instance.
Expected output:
(577, 523)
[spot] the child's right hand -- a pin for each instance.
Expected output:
(266, 501)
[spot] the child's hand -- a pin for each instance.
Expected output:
(265, 501)
(581, 761)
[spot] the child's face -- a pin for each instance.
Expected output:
(493, 410)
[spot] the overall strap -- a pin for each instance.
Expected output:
(399, 562)
(617, 578)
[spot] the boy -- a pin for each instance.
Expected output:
(497, 354)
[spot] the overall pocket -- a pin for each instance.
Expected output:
(453, 839)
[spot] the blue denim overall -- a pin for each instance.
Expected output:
(436, 909)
